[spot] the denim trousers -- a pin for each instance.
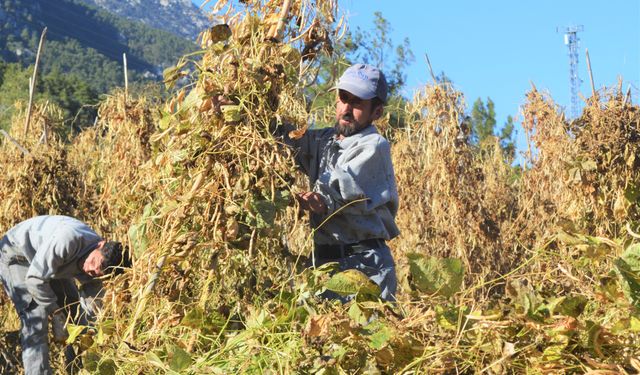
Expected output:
(377, 263)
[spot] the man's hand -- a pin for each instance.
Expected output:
(60, 334)
(311, 201)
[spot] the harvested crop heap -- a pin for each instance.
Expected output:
(37, 177)
(561, 291)
(111, 155)
(202, 198)
(464, 198)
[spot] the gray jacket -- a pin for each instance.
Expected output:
(52, 245)
(356, 179)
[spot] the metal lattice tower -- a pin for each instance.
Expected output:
(572, 41)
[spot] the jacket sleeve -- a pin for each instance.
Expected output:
(91, 294)
(48, 259)
(362, 183)
(307, 147)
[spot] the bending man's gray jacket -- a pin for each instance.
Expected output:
(355, 177)
(52, 245)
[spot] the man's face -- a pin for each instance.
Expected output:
(92, 264)
(353, 113)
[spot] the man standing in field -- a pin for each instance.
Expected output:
(353, 199)
(39, 258)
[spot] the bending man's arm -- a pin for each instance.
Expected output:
(49, 258)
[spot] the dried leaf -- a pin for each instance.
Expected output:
(219, 33)
(298, 133)
(318, 326)
(232, 229)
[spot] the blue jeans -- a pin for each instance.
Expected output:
(377, 263)
(33, 318)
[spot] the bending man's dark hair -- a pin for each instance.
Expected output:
(375, 102)
(116, 258)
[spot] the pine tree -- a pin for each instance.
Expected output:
(483, 127)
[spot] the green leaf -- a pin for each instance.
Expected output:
(153, 359)
(179, 360)
(211, 321)
(555, 350)
(165, 121)
(593, 331)
(173, 73)
(282, 199)
(138, 232)
(632, 193)
(352, 282)
(338, 351)
(168, 206)
(138, 238)
(628, 270)
(105, 328)
(193, 318)
(379, 334)
(190, 100)
(569, 239)
(625, 325)
(178, 156)
(436, 275)
(265, 213)
(74, 332)
(90, 361)
(379, 339)
(609, 286)
(572, 306)
(356, 313)
(170, 75)
(534, 308)
(327, 268)
(258, 319)
(631, 255)
(107, 367)
(231, 113)
(552, 304)
(447, 317)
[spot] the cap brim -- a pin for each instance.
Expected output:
(355, 90)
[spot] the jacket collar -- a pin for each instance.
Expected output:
(350, 140)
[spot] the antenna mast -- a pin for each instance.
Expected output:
(572, 41)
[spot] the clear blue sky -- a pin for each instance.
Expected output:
(495, 48)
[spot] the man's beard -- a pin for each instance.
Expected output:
(347, 130)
